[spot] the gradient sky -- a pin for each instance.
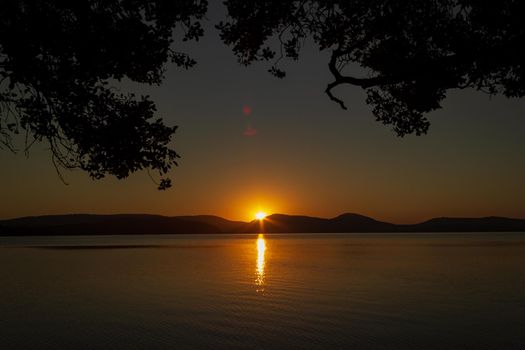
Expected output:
(295, 152)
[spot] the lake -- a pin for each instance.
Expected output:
(300, 291)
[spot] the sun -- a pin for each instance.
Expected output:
(260, 215)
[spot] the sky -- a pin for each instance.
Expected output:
(250, 142)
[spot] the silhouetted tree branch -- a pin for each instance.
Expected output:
(57, 61)
(410, 52)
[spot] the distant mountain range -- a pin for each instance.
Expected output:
(86, 224)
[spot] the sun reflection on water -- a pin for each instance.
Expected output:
(261, 249)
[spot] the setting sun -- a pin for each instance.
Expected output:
(260, 215)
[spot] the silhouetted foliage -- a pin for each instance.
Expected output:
(410, 52)
(57, 61)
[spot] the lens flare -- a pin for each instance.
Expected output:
(246, 110)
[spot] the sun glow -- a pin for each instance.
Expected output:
(260, 215)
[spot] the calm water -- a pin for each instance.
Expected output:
(455, 291)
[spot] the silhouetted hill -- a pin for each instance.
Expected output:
(358, 223)
(486, 224)
(277, 223)
(224, 225)
(84, 224)
(56, 220)
(293, 223)
(104, 225)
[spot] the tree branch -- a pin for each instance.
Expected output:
(328, 91)
(361, 82)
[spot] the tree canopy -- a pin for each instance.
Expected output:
(59, 60)
(410, 52)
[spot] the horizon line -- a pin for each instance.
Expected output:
(269, 215)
